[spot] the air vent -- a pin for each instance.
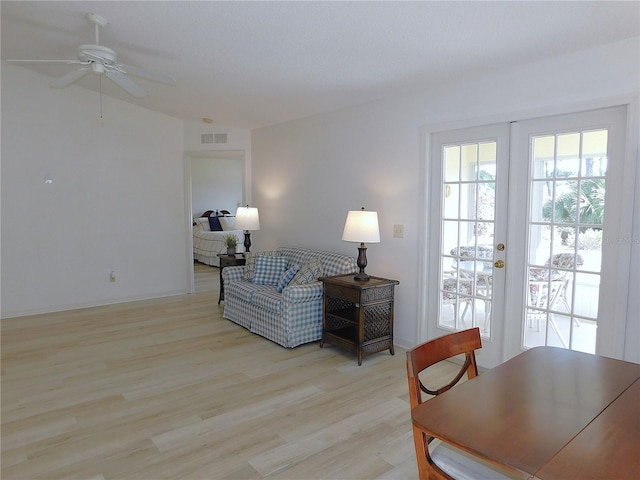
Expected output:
(209, 138)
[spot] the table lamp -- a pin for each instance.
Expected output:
(361, 226)
(247, 219)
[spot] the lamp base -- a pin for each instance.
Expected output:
(247, 241)
(362, 277)
(362, 263)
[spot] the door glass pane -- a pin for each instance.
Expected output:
(469, 161)
(594, 147)
(486, 200)
(451, 200)
(543, 156)
(568, 146)
(563, 202)
(467, 229)
(566, 214)
(451, 156)
(539, 193)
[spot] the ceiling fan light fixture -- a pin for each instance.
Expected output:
(97, 68)
(93, 53)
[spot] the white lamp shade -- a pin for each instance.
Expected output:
(362, 227)
(247, 218)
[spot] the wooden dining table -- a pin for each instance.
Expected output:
(548, 413)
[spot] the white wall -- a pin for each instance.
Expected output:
(238, 145)
(237, 138)
(308, 173)
(216, 184)
(117, 200)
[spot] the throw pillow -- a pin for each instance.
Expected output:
(250, 262)
(287, 277)
(308, 273)
(227, 223)
(214, 223)
(268, 270)
(203, 222)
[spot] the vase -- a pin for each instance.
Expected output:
(231, 251)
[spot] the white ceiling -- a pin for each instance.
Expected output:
(251, 64)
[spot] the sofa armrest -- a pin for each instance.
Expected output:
(302, 293)
(232, 274)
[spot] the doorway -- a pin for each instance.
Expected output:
(215, 180)
(518, 215)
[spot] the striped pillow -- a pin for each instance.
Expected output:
(308, 273)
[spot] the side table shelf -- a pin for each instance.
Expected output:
(228, 261)
(357, 315)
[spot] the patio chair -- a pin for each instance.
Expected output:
(548, 288)
(478, 276)
(456, 292)
(437, 460)
(477, 252)
(564, 264)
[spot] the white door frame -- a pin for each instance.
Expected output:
(188, 201)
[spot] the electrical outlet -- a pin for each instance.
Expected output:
(398, 231)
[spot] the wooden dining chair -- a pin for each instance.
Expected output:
(440, 461)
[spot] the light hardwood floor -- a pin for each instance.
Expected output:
(168, 389)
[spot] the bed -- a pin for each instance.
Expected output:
(208, 243)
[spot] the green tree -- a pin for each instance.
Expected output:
(583, 204)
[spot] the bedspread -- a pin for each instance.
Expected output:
(207, 244)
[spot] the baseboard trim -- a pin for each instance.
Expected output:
(100, 303)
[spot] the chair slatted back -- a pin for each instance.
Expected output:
(422, 357)
(442, 348)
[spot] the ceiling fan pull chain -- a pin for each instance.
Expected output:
(100, 84)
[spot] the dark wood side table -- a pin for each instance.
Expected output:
(358, 315)
(228, 261)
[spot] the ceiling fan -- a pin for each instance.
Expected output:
(101, 60)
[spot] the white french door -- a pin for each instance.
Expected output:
(564, 282)
(520, 214)
(468, 211)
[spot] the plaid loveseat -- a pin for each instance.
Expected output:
(291, 317)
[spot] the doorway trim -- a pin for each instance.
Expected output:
(188, 201)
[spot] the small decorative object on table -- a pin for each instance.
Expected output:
(231, 242)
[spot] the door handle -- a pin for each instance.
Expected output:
(498, 264)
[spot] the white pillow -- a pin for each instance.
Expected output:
(204, 223)
(227, 223)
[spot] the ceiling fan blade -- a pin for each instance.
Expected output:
(126, 83)
(70, 77)
(58, 62)
(139, 72)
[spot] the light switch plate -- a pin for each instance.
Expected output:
(398, 231)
